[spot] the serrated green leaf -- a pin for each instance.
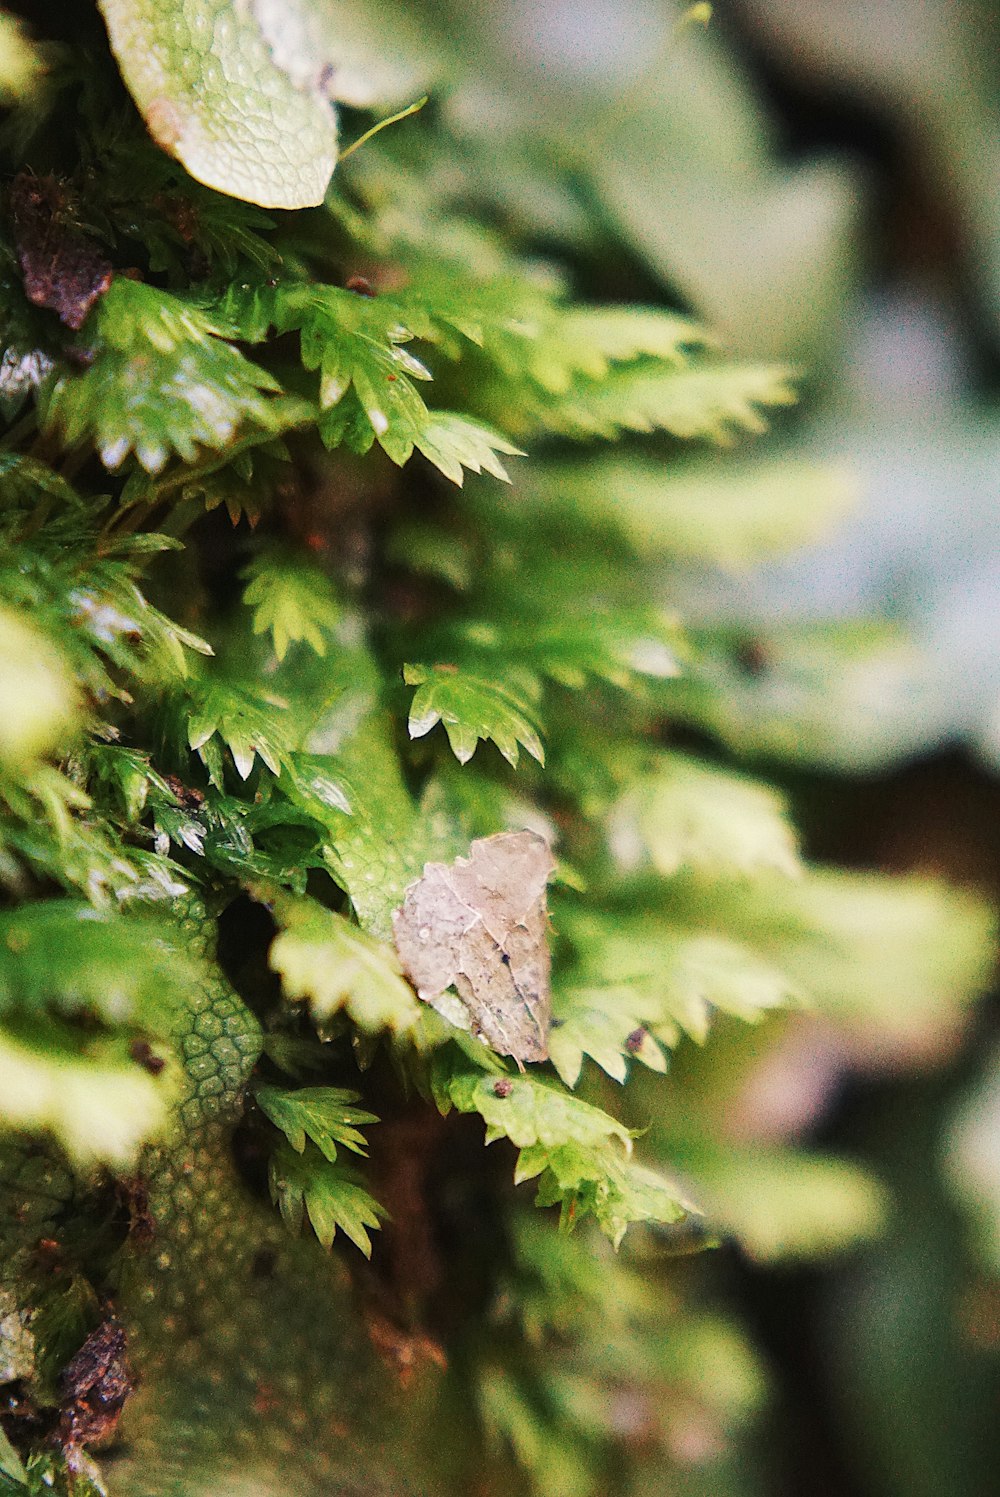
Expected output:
(47, 829)
(530, 1112)
(243, 478)
(581, 1154)
(455, 443)
(376, 839)
(325, 1114)
(617, 1192)
(326, 961)
(161, 381)
(58, 1475)
(623, 646)
(470, 709)
(124, 777)
(614, 335)
(84, 595)
(896, 959)
(610, 1024)
(249, 722)
(125, 627)
(711, 402)
(307, 1184)
(519, 319)
(367, 391)
(221, 92)
(639, 983)
(259, 839)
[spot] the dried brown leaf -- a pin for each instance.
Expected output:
(63, 268)
(480, 924)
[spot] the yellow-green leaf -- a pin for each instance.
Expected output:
(100, 1108)
(36, 692)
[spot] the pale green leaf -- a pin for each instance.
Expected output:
(529, 1112)
(580, 1155)
(249, 722)
(850, 695)
(324, 960)
(453, 443)
(64, 955)
(608, 335)
(222, 95)
(640, 983)
(627, 647)
(689, 815)
(898, 960)
(782, 1204)
(121, 624)
(367, 389)
(703, 972)
(610, 1024)
(617, 1191)
(712, 402)
(378, 840)
(520, 320)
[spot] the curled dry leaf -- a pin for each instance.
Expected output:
(480, 924)
(95, 1384)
